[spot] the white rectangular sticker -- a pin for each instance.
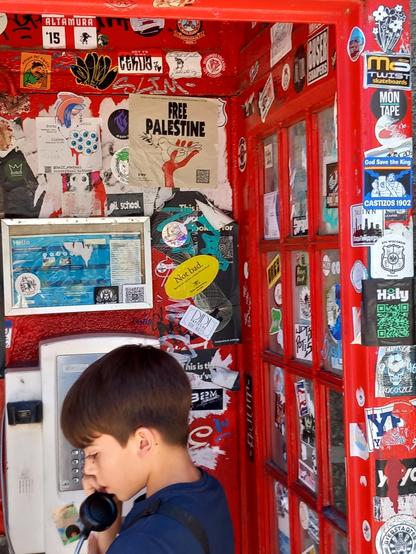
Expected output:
(199, 322)
(317, 57)
(140, 63)
(184, 65)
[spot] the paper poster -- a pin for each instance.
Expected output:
(173, 141)
(199, 322)
(281, 41)
(387, 183)
(271, 222)
(184, 65)
(68, 149)
(35, 71)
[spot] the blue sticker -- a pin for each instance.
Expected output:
(387, 183)
(356, 43)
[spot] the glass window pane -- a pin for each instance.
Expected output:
(271, 189)
(282, 510)
(278, 404)
(298, 179)
(309, 529)
(337, 450)
(302, 333)
(307, 468)
(332, 346)
(338, 542)
(275, 312)
(328, 171)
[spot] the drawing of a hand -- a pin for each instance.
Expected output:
(176, 156)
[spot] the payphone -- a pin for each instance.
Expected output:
(43, 471)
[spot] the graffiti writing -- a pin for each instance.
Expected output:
(155, 85)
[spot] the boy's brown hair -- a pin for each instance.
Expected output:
(132, 386)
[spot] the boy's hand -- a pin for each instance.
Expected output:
(93, 544)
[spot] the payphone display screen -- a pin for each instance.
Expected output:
(70, 460)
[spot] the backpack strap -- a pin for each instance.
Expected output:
(180, 515)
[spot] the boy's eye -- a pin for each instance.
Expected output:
(91, 457)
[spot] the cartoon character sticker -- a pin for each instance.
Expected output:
(35, 71)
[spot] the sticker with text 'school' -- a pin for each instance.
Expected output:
(199, 322)
(192, 277)
(274, 271)
(392, 257)
(387, 71)
(367, 226)
(35, 71)
(387, 312)
(387, 183)
(395, 371)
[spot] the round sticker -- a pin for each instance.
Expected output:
(192, 277)
(303, 515)
(285, 76)
(367, 531)
(3, 22)
(326, 265)
(147, 27)
(358, 274)
(245, 270)
(120, 165)
(118, 124)
(389, 132)
(305, 303)
(397, 535)
(363, 480)
(189, 27)
(299, 69)
(174, 234)
(389, 102)
(242, 154)
(360, 396)
(278, 294)
(213, 65)
(27, 284)
(356, 43)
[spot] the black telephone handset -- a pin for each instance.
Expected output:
(97, 512)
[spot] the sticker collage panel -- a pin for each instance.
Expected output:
(302, 331)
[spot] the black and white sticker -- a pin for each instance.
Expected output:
(317, 57)
(392, 257)
(140, 63)
(397, 535)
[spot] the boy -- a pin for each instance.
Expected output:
(129, 412)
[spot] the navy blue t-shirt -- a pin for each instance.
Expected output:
(160, 534)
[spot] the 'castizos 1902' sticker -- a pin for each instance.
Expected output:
(387, 71)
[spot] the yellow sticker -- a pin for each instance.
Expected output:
(274, 271)
(192, 277)
(35, 71)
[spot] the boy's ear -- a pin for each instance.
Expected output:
(145, 440)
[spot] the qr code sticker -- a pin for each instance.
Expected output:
(133, 294)
(48, 169)
(226, 247)
(203, 176)
(393, 321)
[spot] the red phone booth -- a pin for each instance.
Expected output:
(315, 445)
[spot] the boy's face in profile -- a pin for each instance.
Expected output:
(116, 469)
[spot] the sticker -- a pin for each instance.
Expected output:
(388, 26)
(199, 322)
(254, 69)
(69, 105)
(367, 226)
(266, 98)
(189, 30)
(301, 270)
(35, 71)
(395, 371)
(67, 523)
(310, 550)
(7, 141)
(389, 103)
(356, 44)
(387, 71)
(387, 312)
(27, 285)
(147, 27)
(140, 63)
(358, 274)
(207, 400)
(387, 183)
(397, 534)
(213, 65)
(392, 257)
(395, 488)
(53, 36)
(367, 531)
(133, 293)
(85, 37)
(184, 65)
(333, 311)
(246, 270)
(317, 57)
(242, 154)
(391, 426)
(302, 399)
(268, 156)
(118, 124)
(360, 396)
(248, 106)
(303, 342)
(174, 234)
(192, 277)
(330, 176)
(8, 331)
(304, 515)
(94, 71)
(304, 303)
(299, 69)
(363, 480)
(326, 265)
(278, 294)
(281, 41)
(106, 295)
(285, 76)
(120, 165)
(390, 133)
(3, 22)
(274, 271)
(358, 442)
(276, 321)
(125, 204)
